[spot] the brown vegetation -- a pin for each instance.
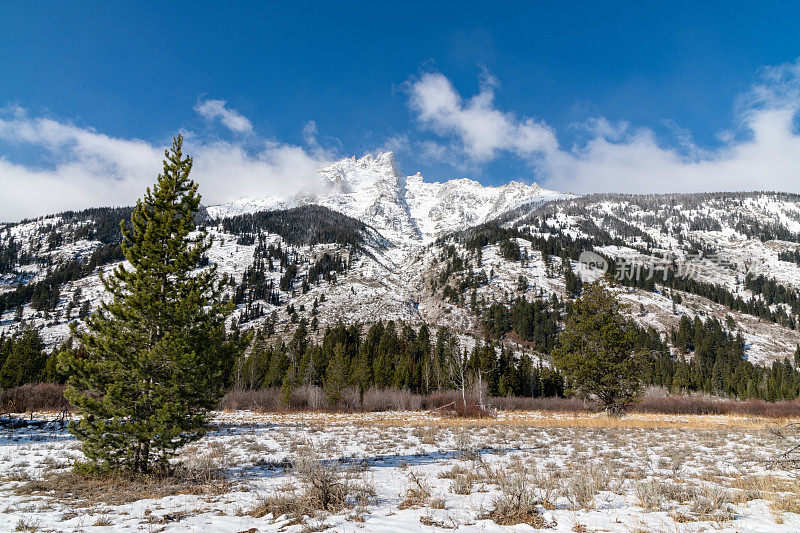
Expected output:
(49, 397)
(375, 400)
(706, 405)
(33, 397)
(325, 485)
(117, 488)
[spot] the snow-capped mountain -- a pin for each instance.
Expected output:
(437, 253)
(404, 209)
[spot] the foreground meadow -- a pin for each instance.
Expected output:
(414, 471)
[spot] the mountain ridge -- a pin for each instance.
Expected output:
(406, 209)
(395, 247)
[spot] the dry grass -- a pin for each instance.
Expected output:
(116, 488)
(535, 419)
(517, 502)
(418, 493)
(324, 486)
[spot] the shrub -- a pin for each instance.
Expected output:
(262, 400)
(34, 397)
(46, 397)
(469, 410)
(550, 403)
(418, 493)
(390, 400)
(324, 486)
(517, 502)
(706, 405)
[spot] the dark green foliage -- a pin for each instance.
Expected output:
(509, 249)
(326, 268)
(306, 225)
(712, 360)
(664, 210)
(770, 292)
(155, 358)
(11, 255)
(597, 351)
(51, 373)
(288, 276)
(43, 294)
(387, 356)
(23, 359)
(792, 256)
(573, 282)
(535, 321)
(336, 375)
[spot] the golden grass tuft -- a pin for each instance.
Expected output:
(116, 488)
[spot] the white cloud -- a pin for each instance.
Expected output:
(396, 143)
(310, 132)
(230, 118)
(92, 169)
(763, 151)
(483, 130)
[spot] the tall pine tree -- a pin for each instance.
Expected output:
(597, 351)
(156, 357)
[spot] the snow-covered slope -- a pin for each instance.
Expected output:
(399, 267)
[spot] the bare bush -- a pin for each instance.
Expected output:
(552, 403)
(324, 486)
(34, 397)
(117, 488)
(47, 396)
(517, 502)
(261, 400)
(655, 495)
(468, 410)
(303, 398)
(711, 501)
(391, 400)
(308, 398)
(461, 485)
(443, 398)
(697, 404)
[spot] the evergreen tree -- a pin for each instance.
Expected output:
(6, 345)
(25, 360)
(335, 376)
(156, 357)
(573, 284)
(50, 372)
(596, 350)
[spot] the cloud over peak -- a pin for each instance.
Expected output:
(482, 130)
(230, 118)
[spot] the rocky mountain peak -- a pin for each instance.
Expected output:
(404, 209)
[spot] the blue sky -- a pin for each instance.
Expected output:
(639, 96)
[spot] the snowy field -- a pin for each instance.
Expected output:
(412, 471)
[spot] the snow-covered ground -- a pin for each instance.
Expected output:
(418, 472)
